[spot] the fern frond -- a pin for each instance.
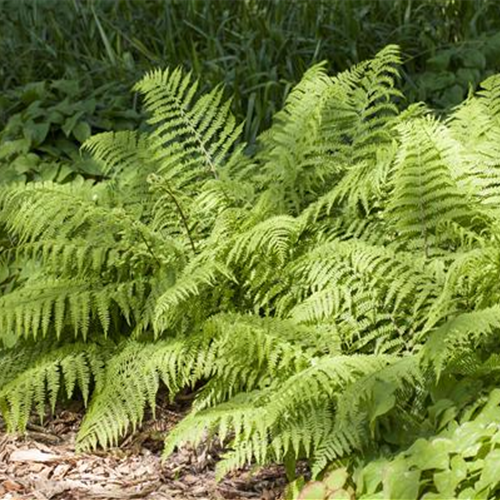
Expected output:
(121, 154)
(368, 291)
(53, 305)
(261, 420)
(259, 351)
(476, 125)
(190, 137)
(42, 209)
(358, 407)
(291, 151)
(464, 333)
(45, 370)
(312, 290)
(357, 119)
(131, 381)
(273, 237)
(199, 275)
(425, 193)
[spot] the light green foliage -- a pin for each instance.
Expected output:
(33, 374)
(461, 461)
(334, 292)
(332, 486)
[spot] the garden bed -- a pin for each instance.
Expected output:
(42, 464)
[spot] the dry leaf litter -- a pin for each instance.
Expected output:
(42, 465)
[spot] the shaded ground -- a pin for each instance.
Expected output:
(42, 465)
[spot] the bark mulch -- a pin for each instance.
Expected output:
(42, 465)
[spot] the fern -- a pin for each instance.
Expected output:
(425, 195)
(133, 375)
(465, 333)
(317, 292)
(272, 412)
(34, 376)
(479, 140)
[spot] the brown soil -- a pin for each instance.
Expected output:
(42, 465)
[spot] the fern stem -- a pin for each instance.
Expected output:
(149, 247)
(193, 130)
(420, 204)
(182, 215)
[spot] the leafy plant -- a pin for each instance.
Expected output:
(258, 48)
(332, 486)
(451, 72)
(46, 122)
(323, 294)
(461, 461)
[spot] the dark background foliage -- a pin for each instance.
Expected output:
(258, 48)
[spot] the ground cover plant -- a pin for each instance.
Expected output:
(48, 122)
(331, 296)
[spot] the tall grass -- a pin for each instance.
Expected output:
(259, 48)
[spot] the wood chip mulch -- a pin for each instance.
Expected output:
(43, 465)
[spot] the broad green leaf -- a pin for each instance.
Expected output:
(369, 478)
(430, 454)
(82, 131)
(55, 117)
(313, 491)
(466, 76)
(454, 95)
(372, 496)
(66, 107)
(339, 495)
(87, 106)
(36, 132)
(473, 58)
(467, 494)
(336, 479)
(399, 482)
(49, 172)
(34, 111)
(69, 87)
(440, 61)
(475, 465)
(492, 409)
(26, 163)
(66, 146)
(491, 470)
(459, 466)
(71, 123)
(446, 482)
(467, 438)
(64, 172)
(482, 493)
(33, 91)
(437, 81)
